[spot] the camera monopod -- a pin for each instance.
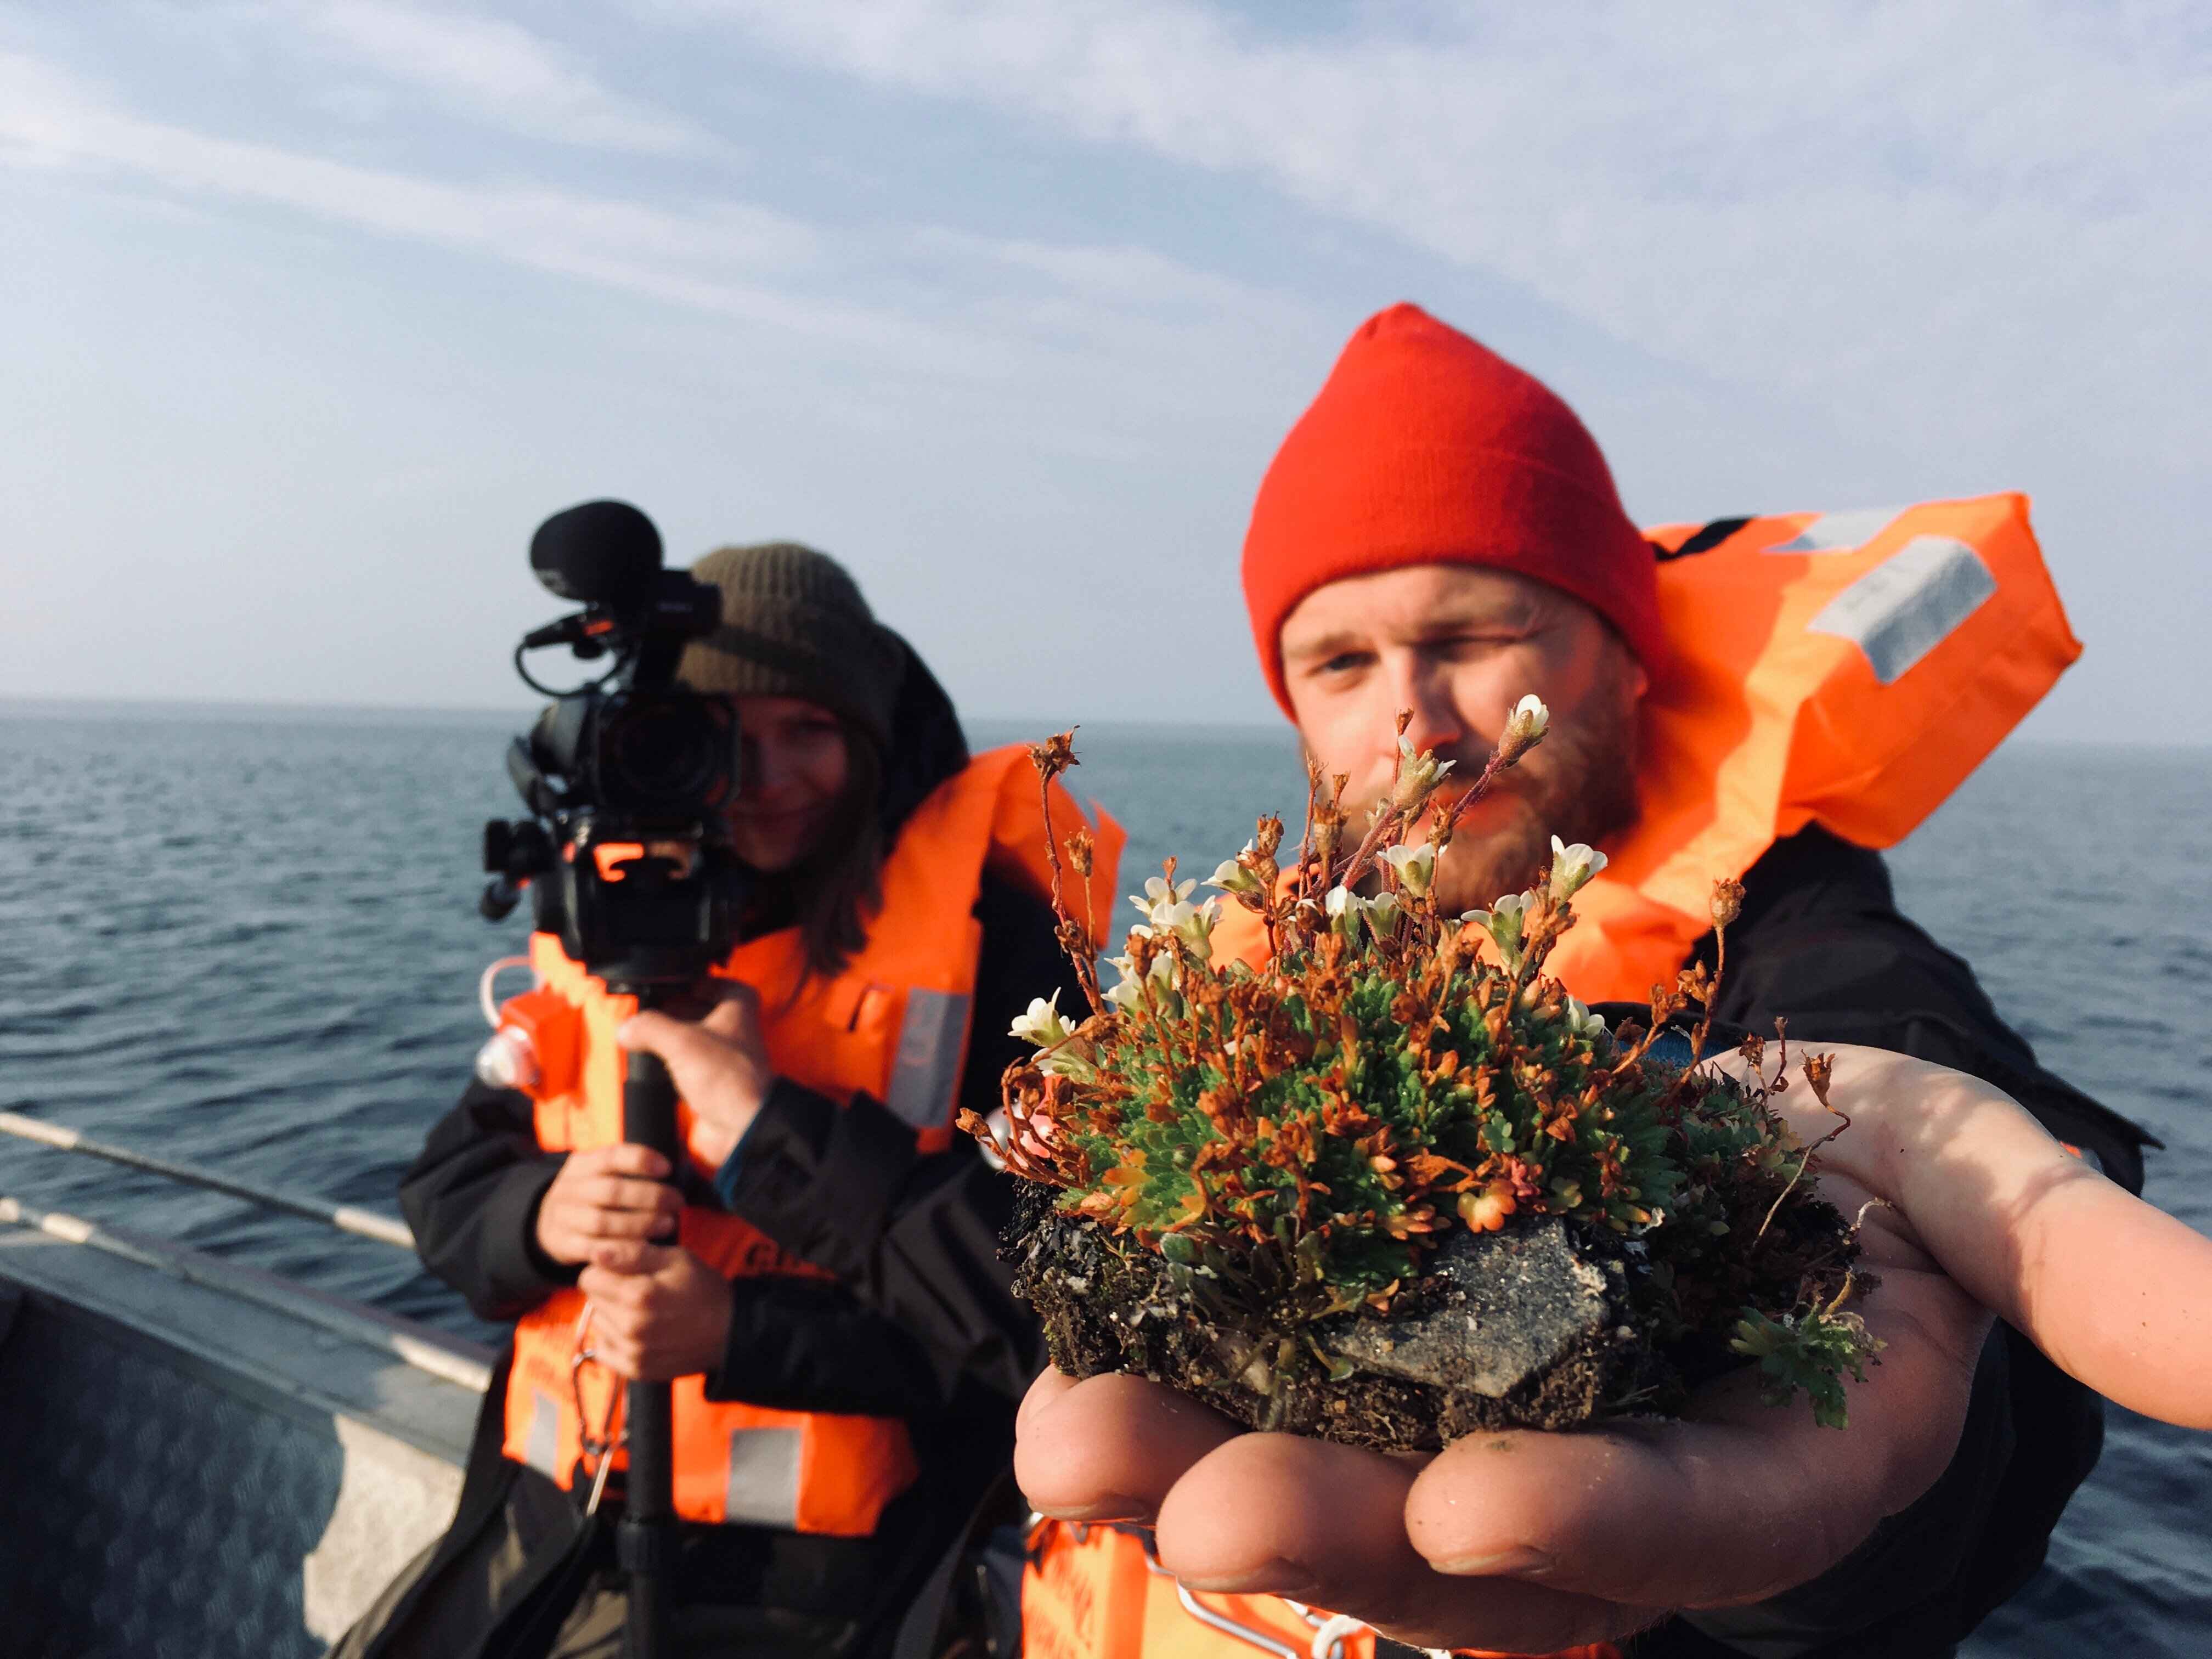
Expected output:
(645, 1539)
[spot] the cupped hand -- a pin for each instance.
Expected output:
(1530, 1542)
(657, 1312)
(719, 1064)
(605, 1196)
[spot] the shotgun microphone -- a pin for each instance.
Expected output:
(605, 554)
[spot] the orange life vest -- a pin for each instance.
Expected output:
(1844, 668)
(1097, 1592)
(1847, 668)
(894, 1023)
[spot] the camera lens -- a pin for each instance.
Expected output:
(666, 754)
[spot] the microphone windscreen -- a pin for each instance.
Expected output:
(601, 553)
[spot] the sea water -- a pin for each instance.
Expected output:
(248, 939)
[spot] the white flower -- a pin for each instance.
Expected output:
(1571, 866)
(1232, 877)
(1067, 1055)
(1415, 866)
(1192, 923)
(1582, 1022)
(1073, 1061)
(1529, 722)
(1160, 895)
(1126, 995)
(1506, 923)
(1201, 921)
(1381, 912)
(1159, 891)
(1043, 1025)
(1347, 910)
(1343, 907)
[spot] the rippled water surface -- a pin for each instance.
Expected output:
(250, 940)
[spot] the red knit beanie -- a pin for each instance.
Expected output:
(1425, 447)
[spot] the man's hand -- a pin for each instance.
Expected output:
(1531, 1542)
(608, 1194)
(719, 1065)
(657, 1312)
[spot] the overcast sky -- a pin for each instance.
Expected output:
(309, 313)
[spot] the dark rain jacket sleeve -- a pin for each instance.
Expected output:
(911, 1238)
(471, 1196)
(472, 1199)
(1821, 943)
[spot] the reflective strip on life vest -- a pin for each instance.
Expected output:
(925, 1070)
(761, 1486)
(1909, 603)
(541, 1447)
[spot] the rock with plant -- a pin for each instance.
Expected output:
(1393, 1184)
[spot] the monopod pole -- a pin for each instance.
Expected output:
(645, 1541)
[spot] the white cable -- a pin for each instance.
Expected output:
(1328, 1639)
(484, 999)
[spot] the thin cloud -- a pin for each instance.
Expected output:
(1126, 276)
(1006, 310)
(1970, 222)
(710, 259)
(494, 72)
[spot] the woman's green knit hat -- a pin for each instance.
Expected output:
(794, 625)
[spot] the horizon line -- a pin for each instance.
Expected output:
(44, 702)
(52, 705)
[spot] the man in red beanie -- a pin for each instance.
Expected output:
(1440, 534)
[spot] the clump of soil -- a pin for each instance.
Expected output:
(1518, 1331)
(1547, 1325)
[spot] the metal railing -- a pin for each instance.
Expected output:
(452, 1359)
(346, 1217)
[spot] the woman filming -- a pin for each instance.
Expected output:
(819, 1282)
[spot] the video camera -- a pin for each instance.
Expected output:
(625, 852)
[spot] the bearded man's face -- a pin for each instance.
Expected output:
(1459, 645)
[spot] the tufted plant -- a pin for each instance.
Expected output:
(1294, 1138)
